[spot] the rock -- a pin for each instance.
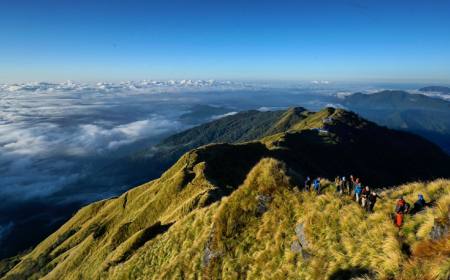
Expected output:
(209, 254)
(296, 247)
(263, 203)
(440, 229)
(300, 245)
(300, 232)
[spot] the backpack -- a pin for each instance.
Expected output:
(400, 207)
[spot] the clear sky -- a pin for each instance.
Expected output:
(88, 40)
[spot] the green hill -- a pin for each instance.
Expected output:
(236, 211)
(150, 163)
(120, 175)
(425, 116)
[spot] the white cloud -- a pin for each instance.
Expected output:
(343, 94)
(335, 105)
(432, 94)
(216, 117)
(49, 138)
(40, 157)
(320, 82)
(96, 138)
(266, 109)
(145, 86)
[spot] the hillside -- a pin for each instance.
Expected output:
(120, 175)
(426, 116)
(235, 211)
(150, 163)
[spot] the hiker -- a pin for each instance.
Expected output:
(307, 183)
(420, 204)
(341, 186)
(372, 199)
(316, 185)
(401, 208)
(346, 186)
(357, 190)
(364, 196)
(338, 183)
(352, 184)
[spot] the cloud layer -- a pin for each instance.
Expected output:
(147, 86)
(49, 139)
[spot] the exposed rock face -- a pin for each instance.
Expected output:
(300, 246)
(300, 232)
(209, 254)
(440, 229)
(263, 203)
(296, 247)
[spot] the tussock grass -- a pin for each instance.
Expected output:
(194, 224)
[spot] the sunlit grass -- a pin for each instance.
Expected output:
(106, 240)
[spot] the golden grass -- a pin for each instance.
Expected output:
(247, 234)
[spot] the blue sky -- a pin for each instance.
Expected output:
(250, 40)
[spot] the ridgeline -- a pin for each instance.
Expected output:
(237, 211)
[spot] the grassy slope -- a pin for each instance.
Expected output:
(150, 163)
(246, 243)
(232, 211)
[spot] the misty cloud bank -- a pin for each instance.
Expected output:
(45, 137)
(145, 86)
(52, 135)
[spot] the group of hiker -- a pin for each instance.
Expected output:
(366, 197)
(313, 185)
(363, 195)
(352, 187)
(402, 208)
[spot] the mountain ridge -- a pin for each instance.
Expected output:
(441, 89)
(423, 115)
(219, 196)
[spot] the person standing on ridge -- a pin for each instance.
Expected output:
(420, 204)
(317, 185)
(342, 186)
(337, 182)
(357, 190)
(346, 186)
(307, 183)
(401, 208)
(372, 200)
(364, 197)
(352, 183)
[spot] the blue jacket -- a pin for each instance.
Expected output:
(316, 184)
(358, 189)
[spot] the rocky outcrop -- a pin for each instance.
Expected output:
(440, 229)
(300, 245)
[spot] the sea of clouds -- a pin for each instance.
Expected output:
(53, 134)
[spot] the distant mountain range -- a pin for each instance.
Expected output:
(440, 89)
(236, 210)
(417, 113)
